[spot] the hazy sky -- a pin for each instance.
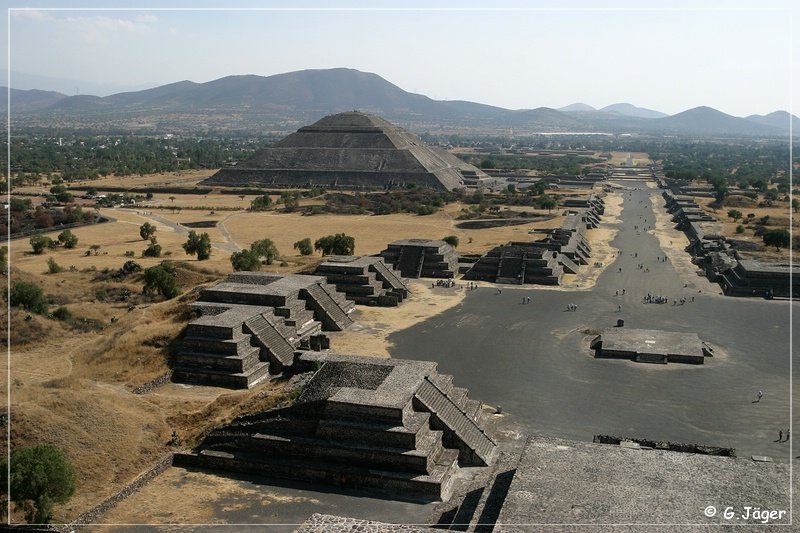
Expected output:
(738, 60)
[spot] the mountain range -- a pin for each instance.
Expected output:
(282, 102)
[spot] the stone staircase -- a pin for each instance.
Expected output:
(460, 428)
(389, 277)
(280, 350)
(328, 310)
(410, 263)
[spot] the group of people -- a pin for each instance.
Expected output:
(446, 283)
(655, 299)
(572, 307)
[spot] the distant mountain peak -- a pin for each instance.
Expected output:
(631, 110)
(577, 106)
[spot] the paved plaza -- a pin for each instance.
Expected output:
(534, 360)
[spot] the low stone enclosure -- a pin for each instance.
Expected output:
(391, 425)
(422, 258)
(364, 280)
(721, 261)
(650, 346)
(546, 260)
(251, 325)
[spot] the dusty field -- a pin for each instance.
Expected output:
(779, 217)
(620, 158)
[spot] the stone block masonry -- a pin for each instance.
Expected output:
(364, 280)
(251, 325)
(395, 426)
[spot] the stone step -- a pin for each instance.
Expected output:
(224, 347)
(425, 487)
(257, 373)
(408, 436)
(418, 460)
(231, 363)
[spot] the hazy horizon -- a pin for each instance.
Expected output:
(735, 59)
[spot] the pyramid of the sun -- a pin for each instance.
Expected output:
(349, 150)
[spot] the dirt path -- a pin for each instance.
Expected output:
(674, 243)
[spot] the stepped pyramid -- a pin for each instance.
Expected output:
(349, 150)
(251, 325)
(364, 280)
(392, 425)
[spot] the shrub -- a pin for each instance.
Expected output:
(53, 267)
(452, 240)
(261, 203)
(304, 246)
(67, 239)
(39, 243)
(739, 229)
(161, 279)
(28, 296)
(129, 267)
(153, 250)
(62, 313)
(245, 260)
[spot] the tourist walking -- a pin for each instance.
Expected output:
(760, 394)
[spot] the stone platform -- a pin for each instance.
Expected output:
(364, 280)
(422, 258)
(650, 346)
(395, 426)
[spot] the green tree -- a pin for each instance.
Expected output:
(153, 249)
(452, 240)
(265, 250)
(260, 203)
(41, 476)
(245, 260)
(68, 239)
(29, 296)
(795, 205)
(61, 193)
(488, 163)
(339, 244)
(199, 245)
(3, 259)
(290, 200)
(735, 214)
(20, 205)
(304, 246)
(161, 279)
(546, 202)
(146, 230)
(779, 238)
(39, 243)
(740, 229)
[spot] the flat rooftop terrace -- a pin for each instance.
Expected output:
(364, 381)
(274, 286)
